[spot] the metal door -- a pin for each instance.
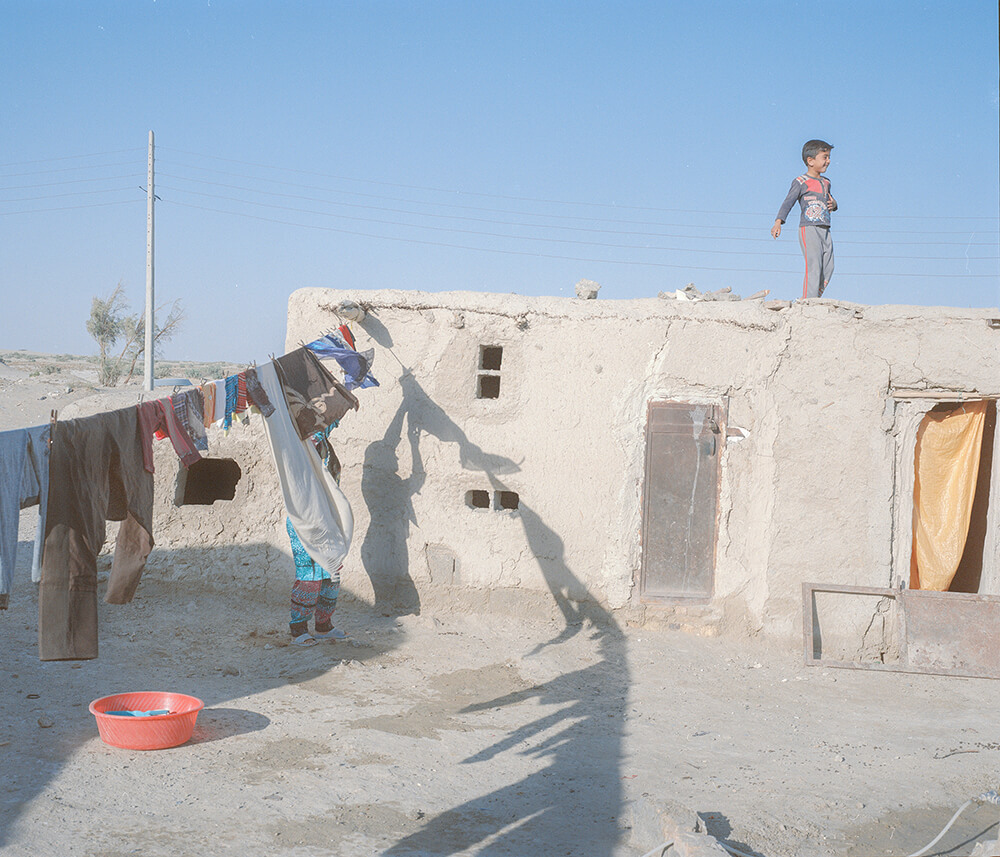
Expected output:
(680, 500)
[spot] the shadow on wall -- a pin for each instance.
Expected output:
(389, 496)
(177, 635)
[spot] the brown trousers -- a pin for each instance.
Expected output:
(96, 474)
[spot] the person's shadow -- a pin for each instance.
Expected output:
(389, 495)
(571, 802)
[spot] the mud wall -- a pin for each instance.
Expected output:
(806, 495)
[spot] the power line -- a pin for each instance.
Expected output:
(71, 181)
(549, 255)
(537, 238)
(59, 195)
(72, 157)
(546, 201)
(549, 216)
(68, 169)
(540, 225)
(70, 207)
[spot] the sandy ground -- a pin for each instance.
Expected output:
(447, 733)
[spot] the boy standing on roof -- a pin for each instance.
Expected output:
(812, 192)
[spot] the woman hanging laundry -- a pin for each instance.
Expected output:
(319, 523)
(314, 594)
(315, 590)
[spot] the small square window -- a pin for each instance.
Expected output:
(488, 387)
(490, 357)
(507, 500)
(477, 499)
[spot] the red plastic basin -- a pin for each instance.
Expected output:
(146, 733)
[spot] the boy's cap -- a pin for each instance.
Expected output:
(812, 148)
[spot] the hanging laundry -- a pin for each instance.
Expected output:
(313, 397)
(158, 416)
(356, 364)
(241, 409)
(241, 393)
(24, 482)
(256, 395)
(220, 401)
(208, 399)
(232, 387)
(97, 474)
(317, 508)
(345, 331)
(188, 405)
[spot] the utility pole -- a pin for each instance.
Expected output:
(148, 352)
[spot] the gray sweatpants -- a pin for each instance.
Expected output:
(817, 247)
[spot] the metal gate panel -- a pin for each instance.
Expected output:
(941, 633)
(680, 500)
(952, 633)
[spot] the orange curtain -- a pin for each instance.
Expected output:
(947, 462)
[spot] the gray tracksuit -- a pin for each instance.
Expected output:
(813, 196)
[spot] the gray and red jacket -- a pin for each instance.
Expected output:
(814, 197)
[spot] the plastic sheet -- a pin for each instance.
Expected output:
(949, 443)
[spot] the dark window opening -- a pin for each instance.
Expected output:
(488, 387)
(477, 499)
(490, 357)
(206, 481)
(507, 500)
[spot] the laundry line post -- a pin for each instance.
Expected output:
(149, 322)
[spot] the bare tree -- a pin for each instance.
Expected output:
(105, 325)
(111, 322)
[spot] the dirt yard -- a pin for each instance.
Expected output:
(447, 733)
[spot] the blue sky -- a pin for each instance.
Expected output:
(489, 146)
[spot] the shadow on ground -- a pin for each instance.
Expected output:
(223, 645)
(573, 799)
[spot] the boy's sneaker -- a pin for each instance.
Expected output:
(334, 634)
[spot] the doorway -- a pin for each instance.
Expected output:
(953, 462)
(680, 500)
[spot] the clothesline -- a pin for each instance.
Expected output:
(83, 471)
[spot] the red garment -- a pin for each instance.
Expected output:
(345, 331)
(158, 415)
(241, 393)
